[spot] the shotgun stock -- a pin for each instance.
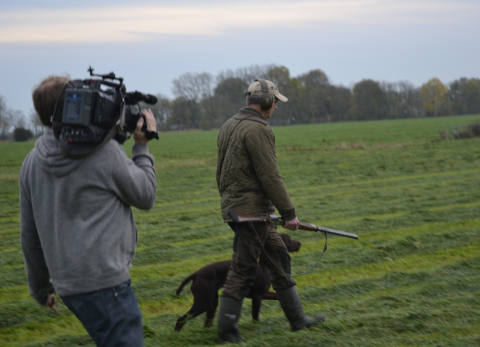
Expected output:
(242, 217)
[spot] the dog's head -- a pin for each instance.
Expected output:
(291, 244)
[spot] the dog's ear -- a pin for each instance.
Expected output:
(298, 244)
(287, 240)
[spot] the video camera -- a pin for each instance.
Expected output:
(92, 111)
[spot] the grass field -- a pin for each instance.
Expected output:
(412, 278)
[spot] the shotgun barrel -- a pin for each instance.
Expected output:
(242, 217)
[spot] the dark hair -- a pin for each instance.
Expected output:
(253, 100)
(45, 97)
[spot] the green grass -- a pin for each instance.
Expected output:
(412, 278)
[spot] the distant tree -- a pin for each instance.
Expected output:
(4, 123)
(412, 104)
(392, 102)
(36, 123)
(340, 103)
(161, 110)
(21, 134)
(280, 75)
(192, 88)
(251, 73)
(435, 96)
(296, 110)
(230, 92)
(230, 95)
(16, 118)
(316, 79)
(401, 100)
(180, 114)
(203, 103)
(369, 100)
(211, 113)
(464, 96)
(317, 98)
(232, 85)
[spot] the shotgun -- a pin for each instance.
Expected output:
(242, 217)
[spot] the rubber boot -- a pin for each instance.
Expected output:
(228, 316)
(292, 307)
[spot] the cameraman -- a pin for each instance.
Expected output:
(77, 229)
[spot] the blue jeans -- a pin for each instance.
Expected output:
(111, 316)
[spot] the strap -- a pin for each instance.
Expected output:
(264, 85)
(250, 224)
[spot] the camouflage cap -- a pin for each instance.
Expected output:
(256, 89)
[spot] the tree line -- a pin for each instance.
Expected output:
(14, 123)
(202, 101)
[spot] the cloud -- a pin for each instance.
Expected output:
(133, 23)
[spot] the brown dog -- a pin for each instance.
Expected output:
(209, 279)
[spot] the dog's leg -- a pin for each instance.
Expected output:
(181, 322)
(211, 312)
(256, 305)
(202, 299)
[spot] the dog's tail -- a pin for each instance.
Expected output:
(185, 281)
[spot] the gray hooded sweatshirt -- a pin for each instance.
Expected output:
(76, 223)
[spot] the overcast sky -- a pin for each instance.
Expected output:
(152, 42)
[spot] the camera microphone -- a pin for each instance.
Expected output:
(135, 97)
(150, 99)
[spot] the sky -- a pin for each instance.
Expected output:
(150, 43)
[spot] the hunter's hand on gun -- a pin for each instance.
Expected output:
(242, 217)
(292, 224)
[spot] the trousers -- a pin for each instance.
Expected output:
(248, 254)
(111, 316)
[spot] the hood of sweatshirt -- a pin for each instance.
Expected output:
(51, 158)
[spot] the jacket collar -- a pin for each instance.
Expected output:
(250, 114)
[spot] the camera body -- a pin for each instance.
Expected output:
(89, 112)
(92, 111)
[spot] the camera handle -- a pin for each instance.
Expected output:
(148, 134)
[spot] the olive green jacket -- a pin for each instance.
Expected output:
(247, 174)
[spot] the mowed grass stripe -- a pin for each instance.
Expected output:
(388, 180)
(31, 332)
(326, 279)
(151, 308)
(387, 216)
(449, 207)
(208, 209)
(446, 256)
(214, 201)
(448, 188)
(349, 192)
(12, 294)
(293, 188)
(407, 264)
(400, 301)
(351, 207)
(162, 229)
(188, 243)
(315, 246)
(400, 233)
(191, 265)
